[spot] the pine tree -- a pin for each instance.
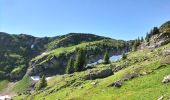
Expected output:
(155, 31)
(142, 39)
(70, 66)
(80, 60)
(106, 58)
(124, 56)
(135, 45)
(42, 83)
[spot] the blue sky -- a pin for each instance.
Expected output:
(120, 19)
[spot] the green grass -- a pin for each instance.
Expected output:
(3, 84)
(22, 85)
(145, 87)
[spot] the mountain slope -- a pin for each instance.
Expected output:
(142, 74)
(143, 70)
(55, 61)
(18, 52)
(139, 76)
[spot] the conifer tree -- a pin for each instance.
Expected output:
(155, 31)
(80, 60)
(70, 66)
(142, 39)
(106, 58)
(124, 56)
(42, 83)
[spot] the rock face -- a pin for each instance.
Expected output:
(156, 41)
(159, 39)
(94, 74)
(166, 79)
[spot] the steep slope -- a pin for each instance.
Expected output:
(141, 76)
(159, 39)
(17, 51)
(55, 61)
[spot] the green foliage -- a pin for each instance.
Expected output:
(165, 28)
(148, 36)
(106, 58)
(18, 70)
(2, 75)
(3, 84)
(22, 85)
(135, 46)
(142, 39)
(124, 56)
(70, 66)
(155, 31)
(42, 83)
(80, 60)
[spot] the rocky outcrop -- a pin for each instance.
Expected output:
(156, 41)
(96, 73)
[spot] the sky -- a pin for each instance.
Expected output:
(119, 19)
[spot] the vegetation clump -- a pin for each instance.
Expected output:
(42, 83)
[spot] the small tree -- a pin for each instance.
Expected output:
(124, 56)
(42, 83)
(106, 58)
(80, 60)
(147, 37)
(135, 46)
(155, 31)
(142, 39)
(70, 66)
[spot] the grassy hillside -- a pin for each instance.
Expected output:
(148, 68)
(18, 50)
(55, 61)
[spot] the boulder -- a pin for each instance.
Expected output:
(166, 79)
(167, 52)
(117, 84)
(117, 68)
(96, 73)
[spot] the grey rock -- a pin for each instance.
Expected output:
(166, 79)
(95, 73)
(117, 84)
